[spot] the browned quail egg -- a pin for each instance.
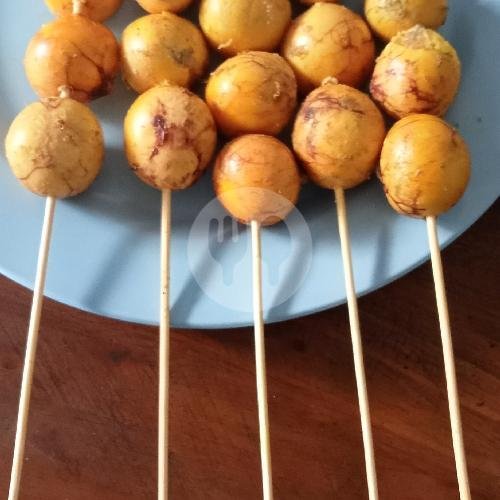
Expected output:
(256, 179)
(424, 166)
(338, 135)
(388, 17)
(253, 92)
(157, 6)
(417, 72)
(55, 148)
(329, 40)
(162, 48)
(233, 26)
(170, 137)
(98, 10)
(75, 52)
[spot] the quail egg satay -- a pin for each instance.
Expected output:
(417, 72)
(162, 48)
(338, 135)
(257, 179)
(98, 10)
(233, 26)
(55, 148)
(253, 92)
(75, 52)
(170, 137)
(424, 166)
(329, 40)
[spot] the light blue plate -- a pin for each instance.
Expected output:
(105, 249)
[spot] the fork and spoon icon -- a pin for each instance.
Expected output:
(229, 245)
(220, 257)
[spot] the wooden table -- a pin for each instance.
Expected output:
(92, 433)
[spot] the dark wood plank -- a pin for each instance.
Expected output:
(92, 431)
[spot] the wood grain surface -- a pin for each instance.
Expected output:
(92, 432)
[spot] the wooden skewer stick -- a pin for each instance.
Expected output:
(31, 345)
(449, 361)
(164, 350)
(78, 6)
(260, 364)
(359, 367)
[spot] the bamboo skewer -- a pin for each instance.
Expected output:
(164, 349)
(180, 109)
(32, 340)
(34, 327)
(31, 345)
(359, 368)
(257, 180)
(449, 361)
(260, 363)
(78, 6)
